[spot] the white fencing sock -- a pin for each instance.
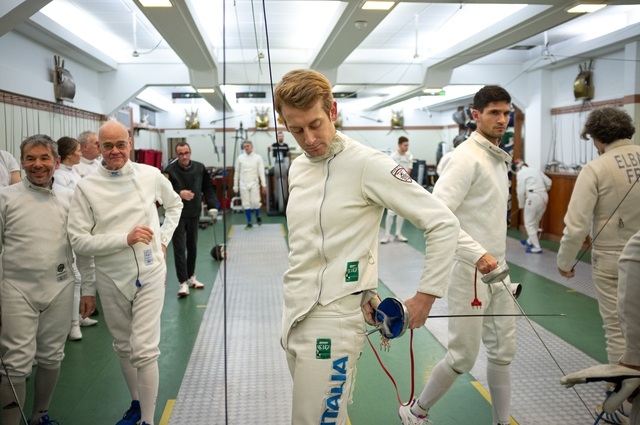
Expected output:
(399, 222)
(43, 387)
(441, 379)
(499, 380)
(10, 411)
(148, 382)
(388, 222)
(75, 312)
(130, 374)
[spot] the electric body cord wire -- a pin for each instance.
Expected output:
(412, 360)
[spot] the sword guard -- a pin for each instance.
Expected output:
(496, 275)
(392, 318)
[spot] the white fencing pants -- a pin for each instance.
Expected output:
(322, 352)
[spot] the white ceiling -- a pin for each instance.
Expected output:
(243, 45)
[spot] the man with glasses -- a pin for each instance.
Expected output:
(114, 218)
(190, 180)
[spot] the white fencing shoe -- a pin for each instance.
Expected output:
(75, 334)
(407, 417)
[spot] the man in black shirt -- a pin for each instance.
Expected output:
(191, 181)
(281, 159)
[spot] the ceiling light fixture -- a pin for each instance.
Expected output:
(434, 91)
(360, 25)
(378, 5)
(155, 3)
(586, 8)
(206, 90)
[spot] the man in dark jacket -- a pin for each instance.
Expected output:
(191, 181)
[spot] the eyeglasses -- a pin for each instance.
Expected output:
(184, 153)
(109, 146)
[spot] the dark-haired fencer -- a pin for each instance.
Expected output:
(475, 186)
(191, 180)
(402, 157)
(339, 189)
(604, 205)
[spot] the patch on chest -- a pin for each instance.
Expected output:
(401, 174)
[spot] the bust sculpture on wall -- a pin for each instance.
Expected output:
(64, 86)
(191, 120)
(397, 119)
(583, 88)
(262, 119)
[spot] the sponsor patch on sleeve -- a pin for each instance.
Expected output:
(401, 174)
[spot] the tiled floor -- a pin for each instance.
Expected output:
(251, 366)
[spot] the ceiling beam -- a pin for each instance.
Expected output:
(345, 36)
(182, 32)
(13, 12)
(520, 26)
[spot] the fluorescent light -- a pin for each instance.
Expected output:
(586, 8)
(378, 5)
(432, 90)
(206, 90)
(156, 3)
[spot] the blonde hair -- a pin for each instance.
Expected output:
(301, 89)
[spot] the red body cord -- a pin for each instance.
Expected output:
(389, 373)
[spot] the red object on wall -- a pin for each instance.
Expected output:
(150, 157)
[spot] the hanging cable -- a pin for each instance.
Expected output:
(275, 121)
(224, 216)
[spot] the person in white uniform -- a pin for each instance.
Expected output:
(604, 205)
(402, 157)
(629, 311)
(114, 218)
(90, 149)
(9, 169)
(249, 179)
(532, 187)
(37, 282)
(475, 186)
(339, 189)
(67, 176)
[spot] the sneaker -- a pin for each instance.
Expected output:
(401, 238)
(132, 416)
(194, 283)
(385, 239)
(532, 250)
(95, 313)
(184, 290)
(249, 226)
(75, 334)
(87, 321)
(44, 420)
(617, 417)
(407, 417)
(259, 220)
(526, 243)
